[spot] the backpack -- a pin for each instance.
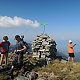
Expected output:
(27, 46)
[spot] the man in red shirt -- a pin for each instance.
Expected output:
(4, 45)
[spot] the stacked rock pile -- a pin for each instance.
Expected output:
(43, 46)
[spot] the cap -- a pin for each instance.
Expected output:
(70, 41)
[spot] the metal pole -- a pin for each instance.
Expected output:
(44, 29)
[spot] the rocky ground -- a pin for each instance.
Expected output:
(36, 69)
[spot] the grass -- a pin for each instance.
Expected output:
(63, 71)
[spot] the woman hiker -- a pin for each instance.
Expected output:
(4, 45)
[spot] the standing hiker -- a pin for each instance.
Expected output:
(71, 51)
(20, 50)
(4, 45)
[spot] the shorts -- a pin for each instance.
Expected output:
(71, 55)
(4, 54)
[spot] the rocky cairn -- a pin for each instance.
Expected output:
(43, 46)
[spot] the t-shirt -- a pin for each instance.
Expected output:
(19, 45)
(4, 46)
(70, 48)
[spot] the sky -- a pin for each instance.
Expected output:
(24, 17)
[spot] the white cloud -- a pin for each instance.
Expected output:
(6, 21)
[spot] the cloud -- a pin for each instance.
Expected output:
(6, 21)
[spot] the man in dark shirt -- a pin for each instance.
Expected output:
(20, 49)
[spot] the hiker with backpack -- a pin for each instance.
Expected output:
(4, 45)
(20, 50)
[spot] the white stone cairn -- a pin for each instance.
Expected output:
(43, 46)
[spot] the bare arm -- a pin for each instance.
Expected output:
(24, 48)
(74, 45)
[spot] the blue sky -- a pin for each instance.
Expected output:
(63, 17)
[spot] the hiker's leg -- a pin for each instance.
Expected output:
(2, 56)
(20, 60)
(68, 59)
(15, 60)
(14, 64)
(6, 56)
(72, 59)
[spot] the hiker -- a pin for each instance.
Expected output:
(71, 51)
(20, 49)
(4, 45)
